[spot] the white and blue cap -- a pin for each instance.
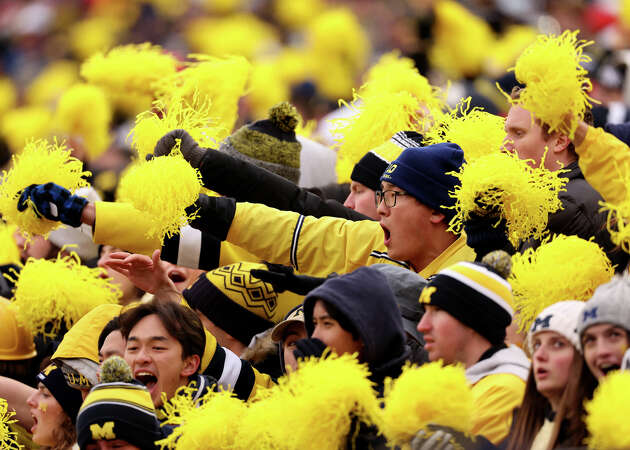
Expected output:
(562, 318)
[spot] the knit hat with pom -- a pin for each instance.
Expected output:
(269, 143)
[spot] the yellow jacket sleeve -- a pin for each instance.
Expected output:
(605, 162)
(314, 246)
(495, 398)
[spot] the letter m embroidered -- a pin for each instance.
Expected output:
(592, 313)
(541, 323)
(105, 432)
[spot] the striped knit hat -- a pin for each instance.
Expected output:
(118, 410)
(476, 295)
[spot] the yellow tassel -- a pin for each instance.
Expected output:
(162, 188)
(430, 394)
(219, 81)
(205, 424)
(524, 196)
(374, 122)
(237, 34)
(557, 85)
(59, 292)
(9, 251)
(40, 162)
(477, 132)
(129, 70)
(8, 437)
(46, 88)
(507, 48)
(84, 111)
(20, 125)
(195, 118)
(617, 220)
(542, 277)
(459, 54)
(393, 73)
(607, 413)
(8, 95)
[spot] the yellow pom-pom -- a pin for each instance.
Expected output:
(266, 88)
(129, 69)
(162, 188)
(607, 413)
(9, 251)
(219, 81)
(20, 125)
(8, 437)
(375, 121)
(196, 118)
(46, 88)
(393, 73)
(93, 34)
(8, 95)
(507, 48)
(237, 34)
(542, 277)
(459, 54)
(477, 132)
(40, 162)
(209, 421)
(504, 184)
(624, 13)
(323, 396)
(297, 15)
(59, 292)
(618, 218)
(557, 85)
(84, 111)
(430, 394)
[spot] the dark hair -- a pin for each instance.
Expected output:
(111, 326)
(65, 435)
(181, 322)
(588, 118)
(531, 414)
(343, 321)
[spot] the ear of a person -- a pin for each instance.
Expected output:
(191, 365)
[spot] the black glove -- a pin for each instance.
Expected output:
(438, 437)
(54, 202)
(483, 236)
(309, 347)
(191, 151)
(284, 279)
(214, 215)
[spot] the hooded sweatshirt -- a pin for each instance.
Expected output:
(498, 386)
(365, 299)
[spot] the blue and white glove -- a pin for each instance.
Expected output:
(53, 202)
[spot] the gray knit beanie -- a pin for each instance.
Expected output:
(610, 303)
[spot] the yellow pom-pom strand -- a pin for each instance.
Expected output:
(9, 251)
(40, 162)
(504, 184)
(162, 188)
(607, 413)
(267, 87)
(220, 81)
(375, 120)
(477, 132)
(618, 218)
(431, 394)
(557, 85)
(196, 118)
(129, 70)
(393, 73)
(49, 293)
(206, 422)
(8, 437)
(84, 111)
(542, 277)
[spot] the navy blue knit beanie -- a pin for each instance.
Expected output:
(422, 172)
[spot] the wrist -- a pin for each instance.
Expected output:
(88, 214)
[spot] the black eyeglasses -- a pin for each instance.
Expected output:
(390, 197)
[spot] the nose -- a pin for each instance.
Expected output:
(540, 354)
(508, 144)
(425, 324)
(602, 349)
(349, 203)
(382, 209)
(30, 401)
(317, 333)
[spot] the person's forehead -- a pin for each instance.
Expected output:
(601, 328)
(387, 185)
(294, 328)
(518, 116)
(149, 327)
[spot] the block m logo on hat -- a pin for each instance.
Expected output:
(106, 431)
(541, 323)
(592, 313)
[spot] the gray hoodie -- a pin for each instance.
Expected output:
(508, 360)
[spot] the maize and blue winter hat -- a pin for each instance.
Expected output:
(610, 303)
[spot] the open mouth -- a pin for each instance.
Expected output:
(176, 276)
(387, 234)
(541, 373)
(34, 423)
(607, 368)
(146, 378)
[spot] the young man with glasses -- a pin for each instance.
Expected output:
(412, 232)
